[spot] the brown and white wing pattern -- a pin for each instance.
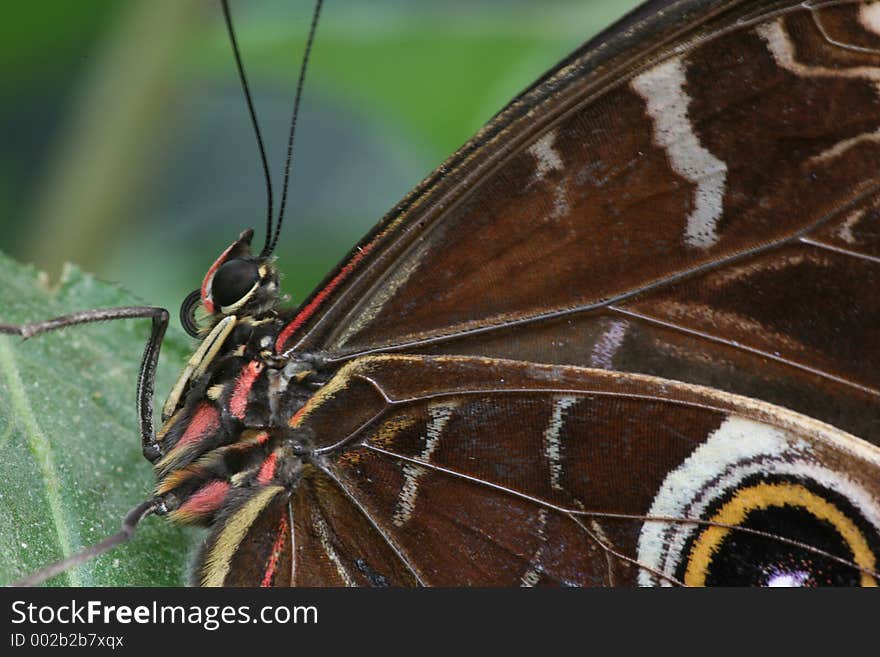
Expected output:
(692, 195)
(506, 473)
(629, 334)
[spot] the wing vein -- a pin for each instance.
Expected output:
(369, 517)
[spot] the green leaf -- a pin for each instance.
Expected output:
(70, 455)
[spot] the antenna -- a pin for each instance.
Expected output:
(271, 242)
(250, 104)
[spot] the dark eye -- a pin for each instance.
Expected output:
(233, 280)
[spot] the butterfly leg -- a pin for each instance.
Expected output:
(147, 373)
(129, 524)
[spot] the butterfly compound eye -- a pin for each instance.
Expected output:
(233, 281)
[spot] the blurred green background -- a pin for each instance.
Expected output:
(126, 146)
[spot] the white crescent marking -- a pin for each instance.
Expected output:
(412, 472)
(662, 88)
(869, 17)
(552, 445)
(783, 52)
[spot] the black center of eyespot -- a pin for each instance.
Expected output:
(755, 560)
(233, 280)
(786, 531)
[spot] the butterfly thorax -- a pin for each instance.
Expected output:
(229, 428)
(226, 420)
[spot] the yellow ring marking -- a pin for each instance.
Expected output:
(762, 496)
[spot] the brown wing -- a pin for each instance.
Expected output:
(251, 542)
(691, 195)
(467, 471)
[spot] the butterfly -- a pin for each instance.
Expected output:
(627, 334)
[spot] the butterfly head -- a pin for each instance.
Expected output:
(238, 283)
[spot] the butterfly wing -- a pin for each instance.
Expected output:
(691, 195)
(589, 478)
(253, 543)
(259, 521)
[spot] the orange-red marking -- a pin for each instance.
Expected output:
(267, 470)
(277, 548)
(209, 304)
(242, 445)
(205, 420)
(206, 499)
(321, 296)
(298, 415)
(239, 399)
